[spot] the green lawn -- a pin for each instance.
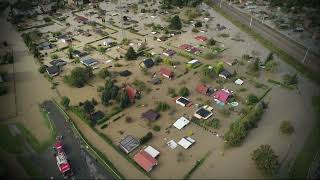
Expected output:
(305, 157)
(9, 143)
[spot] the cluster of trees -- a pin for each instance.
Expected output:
(131, 54)
(113, 92)
(167, 4)
(32, 46)
(7, 58)
(175, 23)
(239, 129)
(146, 138)
(266, 159)
(78, 76)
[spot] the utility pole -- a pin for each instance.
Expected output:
(305, 56)
(250, 22)
(263, 18)
(220, 3)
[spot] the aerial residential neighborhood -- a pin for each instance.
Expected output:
(160, 89)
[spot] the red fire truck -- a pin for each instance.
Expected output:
(62, 162)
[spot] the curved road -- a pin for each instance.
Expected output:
(292, 48)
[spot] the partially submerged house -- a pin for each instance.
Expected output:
(238, 82)
(64, 38)
(150, 115)
(201, 38)
(222, 95)
(145, 160)
(78, 54)
(204, 112)
(44, 46)
(125, 73)
(129, 143)
(186, 142)
(147, 63)
(194, 63)
(182, 101)
(152, 151)
(132, 93)
(166, 73)
(53, 71)
(58, 62)
(181, 123)
(108, 42)
(225, 74)
(81, 19)
(88, 61)
(204, 89)
(169, 52)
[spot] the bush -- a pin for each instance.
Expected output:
(286, 127)
(195, 30)
(172, 92)
(211, 42)
(175, 23)
(104, 126)
(65, 101)
(103, 73)
(198, 24)
(184, 91)
(156, 128)
(252, 99)
(209, 55)
(42, 69)
(54, 56)
(162, 106)
(146, 138)
(265, 159)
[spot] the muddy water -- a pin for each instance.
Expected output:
(31, 87)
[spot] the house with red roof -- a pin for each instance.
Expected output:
(204, 89)
(201, 38)
(166, 73)
(132, 93)
(81, 19)
(185, 47)
(145, 160)
(222, 95)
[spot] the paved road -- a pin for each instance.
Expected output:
(83, 165)
(292, 48)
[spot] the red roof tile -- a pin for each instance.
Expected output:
(201, 38)
(145, 160)
(166, 72)
(201, 88)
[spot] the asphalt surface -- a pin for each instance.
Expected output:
(84, 166)
(292, 48)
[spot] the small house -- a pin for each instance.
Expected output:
(125, 73)
(182, 101)
(201, 38)
(230, 62)
(44, 46)
(78, 54)
(204, 89)
(58, 62)
(147, 63)
(108, 42)
(166, 73)
(152, 151)
(185, 47)
(145, 160)
(132, 93)
(64, 38)
(186, 142)
(194, 63)
(238, 82)
(88, 61)
(204, 112)
(129, 143)
(181, 123)
(169, 52)
(225, 74)
(150, 115)
(53, 71)
(81, 19)
(222, 95)
(162, 38)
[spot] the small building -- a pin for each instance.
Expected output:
(147, 63)
(181, 123)
(78, 54)
(204, 112)
(201, 38)
(169, 52)
(222, 95)
(186, 47)
(162, 38)
(194, 63)
(238, 82)
(150, 115)
(166, 73)
(96, 116)
(64, 38)
(204, 89)
(152, 151)
(88, 61)
(81, 19)
(132, 93)
(44, 46)
(225, 74)
(125, 73)
(129, 143)
(108, 42)
(53, 71)
(58, 62)
(145, 160)
(186, 142)
(182, 101)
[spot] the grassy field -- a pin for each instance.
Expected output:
(29, 167)
(10, 143)
(305, 157)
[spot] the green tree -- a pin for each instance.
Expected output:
(254, 67)
(42, 69)
(65, 101)
(88, 107)
(124, 100)
(78, 77)
(266, 159)
(146, 138)
(211, 42)
(175, 23)
(218, 67)
(252, 99)
(198, 24)
(184, 91)
(131, 54)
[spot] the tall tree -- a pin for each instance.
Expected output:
(266, 159)
(131, 54)
(88, 107)
(175, 23)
